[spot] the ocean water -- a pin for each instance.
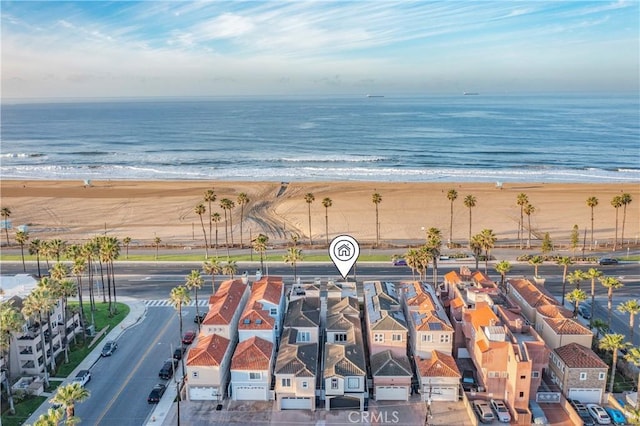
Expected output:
(484, 138)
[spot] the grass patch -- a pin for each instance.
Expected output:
(24, 409)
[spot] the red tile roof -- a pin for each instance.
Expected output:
(578, 356)
(439, 365)
(534, 296)
(268, 289)
(208, 351)
(225, 303)
(567, 326)
(252, 354)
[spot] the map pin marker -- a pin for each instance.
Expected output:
(344, 251)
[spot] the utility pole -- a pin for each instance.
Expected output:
(428, 415)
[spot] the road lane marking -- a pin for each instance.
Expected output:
(129, 377)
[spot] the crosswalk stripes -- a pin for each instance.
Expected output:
(165, 302)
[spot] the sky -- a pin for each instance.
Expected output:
(231, 48)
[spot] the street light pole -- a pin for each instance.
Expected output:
(428, 415)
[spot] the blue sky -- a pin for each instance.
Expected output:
(223, 48)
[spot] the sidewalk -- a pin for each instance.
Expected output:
(137, 310)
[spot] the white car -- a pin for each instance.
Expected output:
(501, 410)
(82, 377)
(599, 414)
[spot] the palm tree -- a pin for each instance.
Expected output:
(227, 204)
(109, 250)
(503, 267)
(56, 247)
(626, 200)
(65, 289)
(610, 283)
(537, 261)
(593, 274)
(309, 198)
(179, 297)
(547, 244)
(230, 268)
(476, 247)
(209, 197)
(195, 282)
(376, 198)
(126, 241)
(213, 268)
(34, 249)
(11, 321)
(326, 202)
(433, 247)
(576, 296)
(488, 239)
(242, 200)
(632, 307)
(68, 396)
(293, 256)
(78, 269)
(522, 200)
(260, 245)
(156, 242)
(529, 210)
(21, 238)
(633, 356)
(413, 262)
(575, 239)
(452, 195)
(469, 202)
(592, 202)
(600, 326)
(6, 214)
(52, 417)
(576, 277)
(200, 209)
(216, 218)
(564, 262)
(616, 202)
(47, 300)
(32, 309)
(613, 342)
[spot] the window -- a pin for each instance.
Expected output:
(396, 337)
(378, 337)
(334, 383)
(535, 374)
(194, 374)
(255, 375)
(286, 383)
(444, 338)
(353, 383)
(341, 337)
(303, 336)
(523, 377)
(602, 376)
(305, 385)
(521, 395)
(583, 376)
(274, 311)
(424, 337)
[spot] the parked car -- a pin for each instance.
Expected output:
(188, 337)
(501, 410)
(469, 382)
(82, 377)
(537, 414)
(483, 411)
(156, 393)
(178, 352)
(168, 368)
(199, 318)
(599, 414)
(109, 348)
(616, 415)
(608, 261)
(582, 411)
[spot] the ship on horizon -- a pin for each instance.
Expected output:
(375, 96)
(470, 93)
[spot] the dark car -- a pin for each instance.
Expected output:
(608, 261)
(178, 352)
(168, 368)
(583, 412)
(188, 337)
(585, 311)
(109, 348)
(469, 382)
(199, 318)
(156, 393)
(399, 262)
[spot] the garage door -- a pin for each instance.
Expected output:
(586, 395)
(249, 393)
(291, 403)
(392, 393)
(202, 393)
(444, 393)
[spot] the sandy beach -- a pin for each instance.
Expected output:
(144, 210)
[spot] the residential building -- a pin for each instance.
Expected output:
(251, 369)
(391, 376)
(225, 307)
(303, 315)
(534, 301)
(561, 331)
(438, 376)
(385, 321)
(579, 373)
(207, 367)
(345, 369)
(264, 311)
(296, 372)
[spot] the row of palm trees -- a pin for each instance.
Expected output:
(227, 205)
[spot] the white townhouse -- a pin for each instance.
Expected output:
(251, 368)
